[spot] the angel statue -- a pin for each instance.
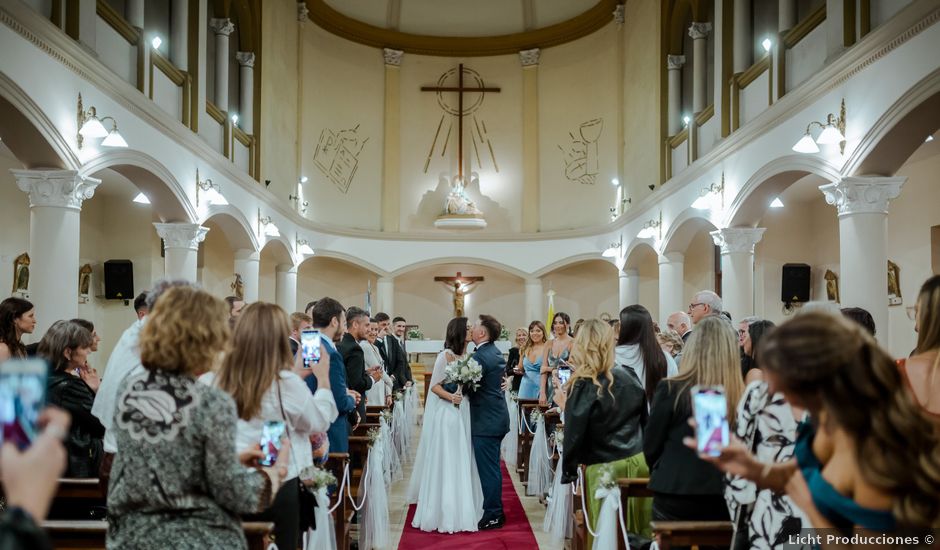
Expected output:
(458, 203)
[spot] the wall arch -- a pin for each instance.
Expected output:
(900, 130)
(752, 201)
(168, 198)
(280, 247)
(235, 226)
(343, 257)
(566, 262)
(29, 134)
(684, 228)
(636, 249)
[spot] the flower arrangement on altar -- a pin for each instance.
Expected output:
(466, 372)
(415, 333)
(317, 478)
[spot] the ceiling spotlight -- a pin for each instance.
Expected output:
(613, 250)
(303, 179)
(833, 131)
(213, 191)
(156, 42)
(266, 226)
(649, 228)
(776, 203)
(706, 199)
(92, 127)
(766, 43)
(929, 139)
(141, 199)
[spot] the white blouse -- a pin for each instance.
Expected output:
(306, 414)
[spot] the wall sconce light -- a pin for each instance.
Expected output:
(833, 131)
(303, 247)
(90, 126)
(614, 249)
(156, 42)
(298, 205)
(686, 120)
(213, 191)
(766, 44)
(706, 199)
(649, 229)
(303, 179)
(235, 119)
(266, 226)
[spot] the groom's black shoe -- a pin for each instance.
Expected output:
(494, 523)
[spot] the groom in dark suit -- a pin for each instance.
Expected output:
(489, 420)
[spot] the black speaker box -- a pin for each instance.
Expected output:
(119, 280)
(795, 283)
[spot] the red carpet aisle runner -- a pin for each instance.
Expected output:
(516, 534)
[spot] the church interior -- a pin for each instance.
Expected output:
(435, 159)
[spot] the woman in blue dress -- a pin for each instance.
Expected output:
(532, 352)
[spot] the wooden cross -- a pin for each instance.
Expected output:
(460, 89)
(459, 279)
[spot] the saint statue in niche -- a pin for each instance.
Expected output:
(832, 286)
(21, 273)
(84, 281)
(238, 287)
(894, 284)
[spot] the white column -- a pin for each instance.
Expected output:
(786, 15)
(248, 265)
(222, 28)
(286, 289)
(246, 79)
(737, 268)
(699, 33)
(385, 296)
(674, 67)
(629, 280)
(181, 248)
(671, 284)
(179, 31)
(55, 204)
(135, 13)
(862, 203)
(533, 300)
(743, 48)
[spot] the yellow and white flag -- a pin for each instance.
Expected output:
(551, 310)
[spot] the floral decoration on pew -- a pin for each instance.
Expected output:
(535, 416)
(399, 395)
(606, 478)
(387, 416)
(317, 478)
(514, 396)
(559, 437)
(375, 435)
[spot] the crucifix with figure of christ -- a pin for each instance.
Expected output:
(460, 286)
(478, 132)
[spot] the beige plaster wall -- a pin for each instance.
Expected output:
(699, 267)
(344, 86)
(279, 105)
(585, 290)
(498, 118)
(216, 262)
(577, 83)
(318, 277)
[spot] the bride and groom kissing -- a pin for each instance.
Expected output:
(457, 480)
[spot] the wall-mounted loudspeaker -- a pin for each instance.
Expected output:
(795, 283)
(119, 280)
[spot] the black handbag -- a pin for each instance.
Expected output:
(306, 499)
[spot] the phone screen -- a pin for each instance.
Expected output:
(271, 434)
(22, 398)
(711, 417)
(310, 342)
(564, 373)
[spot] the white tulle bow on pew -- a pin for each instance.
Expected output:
(610, 524)
(373, 507)
(558, 516)
(391, 463)
(323, 536)
(510, 445)
(399, 427)
(540, 466)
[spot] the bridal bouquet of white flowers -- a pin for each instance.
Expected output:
(466, 372)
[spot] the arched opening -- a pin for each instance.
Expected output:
(690, 236)
(642, 258)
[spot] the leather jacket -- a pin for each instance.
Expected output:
(600, 428)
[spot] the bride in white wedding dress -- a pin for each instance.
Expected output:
(445, 483)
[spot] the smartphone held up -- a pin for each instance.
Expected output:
(710, 408)
(310, 345)
(271, 434)
(22, 398)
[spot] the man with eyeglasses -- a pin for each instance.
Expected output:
(704, 303)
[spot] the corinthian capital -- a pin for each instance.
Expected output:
(675, 62)
(618, 14)
(700, 30)
(56, 188)
(737, 240)
(862, 195)
(245, 59)
(530, 57)
(222, 25)
(181, 235)
(393, 57)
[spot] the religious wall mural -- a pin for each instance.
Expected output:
(337, 155)
(581, 152)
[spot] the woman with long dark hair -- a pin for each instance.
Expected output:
(445, 484)
(638, 349)
(556, 354)
(921, 370)
(17, 317)
(749, 345)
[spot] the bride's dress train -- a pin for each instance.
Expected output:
(445, 483)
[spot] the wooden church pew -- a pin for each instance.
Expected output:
(75, 534)
(692, 533)
(342, 516)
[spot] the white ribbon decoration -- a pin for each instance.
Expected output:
(510, 446)
(606, 537)
(540, 467)
(373, 518)
(323, 537)
(398, 430)
(558, 516)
